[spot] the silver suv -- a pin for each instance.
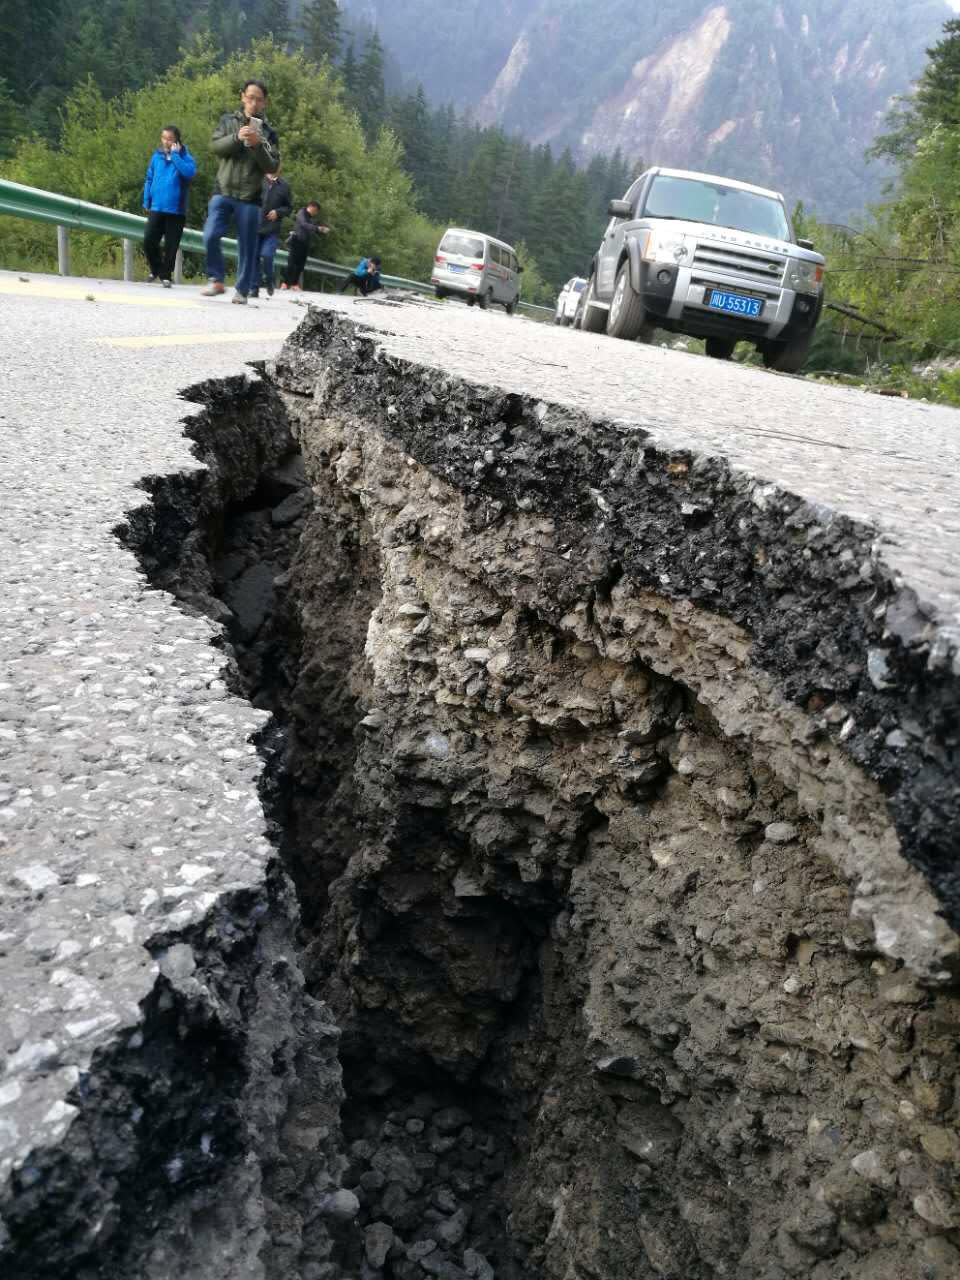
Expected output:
(710, 257)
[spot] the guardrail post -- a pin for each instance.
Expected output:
(178, 268)
(63, 251)
(128, 259)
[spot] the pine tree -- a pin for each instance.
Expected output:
(938, 93)
(370, 96)
(409, 117)
(936, 101)
(320, 29)
(274, 20)
(349, 72)
(8, 121)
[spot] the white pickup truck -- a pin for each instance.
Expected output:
(709, 257)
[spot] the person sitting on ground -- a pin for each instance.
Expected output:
(276, 203)
(305, 227)
(365, 276)
(165, 193)
(247, 146)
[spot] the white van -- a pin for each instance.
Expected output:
(474, 266)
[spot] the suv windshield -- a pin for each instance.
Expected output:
(466, 246)
(694, 200)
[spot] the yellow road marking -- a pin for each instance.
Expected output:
(192, 339)
(99, 293)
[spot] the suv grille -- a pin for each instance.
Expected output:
(740, 262)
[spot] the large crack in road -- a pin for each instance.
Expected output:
(617, 791)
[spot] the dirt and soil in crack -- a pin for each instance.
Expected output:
(604, 1009)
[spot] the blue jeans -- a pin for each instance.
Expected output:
(247, 217)
(268, 248)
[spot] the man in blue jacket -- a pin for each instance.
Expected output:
(165, 192)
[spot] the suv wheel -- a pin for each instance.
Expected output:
(720, 348)
(626, 317)
(592, 319)
(786, 357)
(484, 299)
(510, 307)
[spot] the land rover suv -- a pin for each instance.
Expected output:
(709, 257)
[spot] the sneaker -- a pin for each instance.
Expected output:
(240, 299)
(152, 279)
(167, 284)
(213, 289)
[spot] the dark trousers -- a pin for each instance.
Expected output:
(166, 227)
(363, 284)
(297, 253)
(268, 248)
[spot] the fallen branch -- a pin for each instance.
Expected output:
(844, 310)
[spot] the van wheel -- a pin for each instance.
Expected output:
(626, 317)
(592, 319)
(720, 348)
(484, 299)
(471, 301)
(786, 357)
(510, 307)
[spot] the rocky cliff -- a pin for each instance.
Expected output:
(787, 93)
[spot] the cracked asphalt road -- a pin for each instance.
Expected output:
(128, 795)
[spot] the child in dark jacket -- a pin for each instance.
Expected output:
(165, 192)
(299, 241)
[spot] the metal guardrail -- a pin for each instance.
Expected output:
(67, 212)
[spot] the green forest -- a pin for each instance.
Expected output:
(80, 111)
(898, 267)
(84, 91)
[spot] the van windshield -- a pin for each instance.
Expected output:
(694, 200)
(465, 246)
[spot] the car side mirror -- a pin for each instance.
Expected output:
(620, 209)
(805, 244)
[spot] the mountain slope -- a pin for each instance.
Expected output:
(784, 92)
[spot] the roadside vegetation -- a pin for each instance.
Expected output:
(893, 280)
(391, 171)
(83, 95)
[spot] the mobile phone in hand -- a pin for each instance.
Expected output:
(255, 122)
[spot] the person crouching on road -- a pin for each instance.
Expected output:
(365, 277)
(305, 227)
(248, 148)
(275, 205)
(165, 193)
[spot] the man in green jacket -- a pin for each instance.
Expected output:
(247, 147)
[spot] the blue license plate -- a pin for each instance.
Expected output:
(735, 303)
(451, 267)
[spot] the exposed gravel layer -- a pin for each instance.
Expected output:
(890, 464)
(828, 605)
(127, 779)
(617, 849)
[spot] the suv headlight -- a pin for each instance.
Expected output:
(804, 277)
(661, 246)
